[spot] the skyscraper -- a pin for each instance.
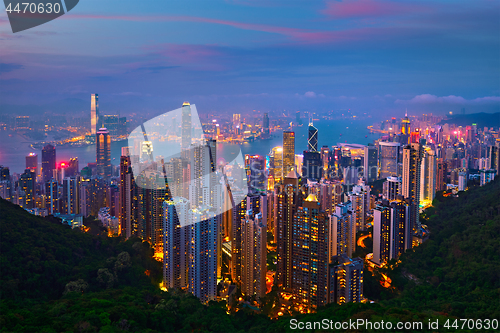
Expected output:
(345, 280)
(69, 203)
(310, 254)
(255, 171)
(388, 158)
(186, 126)
(32, 162)
(51, 197)
(312, 140)
(312, 167)
(410, 188)
(428, 176)
(265, 124)
(441, 174)
(391, 188)
(370, 161)
(128, 224)
(288, 152)
(253, 247)
(94, 113)
(342, 233)
(27, 183)
(325, 160)
(48, 162)
(103, 153)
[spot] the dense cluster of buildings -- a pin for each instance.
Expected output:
(210, 223)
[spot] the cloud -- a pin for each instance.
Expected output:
(451, 99)
(5, 68)
(368, 8)
(310, 94)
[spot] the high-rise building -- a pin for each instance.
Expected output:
(312, 167)
(287, 198)
(94, 113)
(325, 160)
(310, 254)
(27, 183)
(48, 162)
(288, 152)
(253, 249)
(410, 187)
(405, 125)
(345, 280)
(186, 126)
(342, 233)
(428, 176)
(276, 170)
(128, 223)
(51, 197)
(69, 202)
(32, 162)
(388, 158)
(391, 188)
(265, 124)
(381, 234)
(256, 174)
(441, 174)
(103, 153)
(72, 169)
(360, 201)
(312, 140)
(462, 180)
(494, 157)
(370, 163)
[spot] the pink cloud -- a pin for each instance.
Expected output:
(451, 99)
(301, 35)
(368, 8)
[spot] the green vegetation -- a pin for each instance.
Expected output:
(55, 279)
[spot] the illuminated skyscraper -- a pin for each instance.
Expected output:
(325, 160)
(441, 174)
(277, 167)
(48, 162)
(69, 203)
(428, 176)
(370, 161)
(342, 233)
(103, 153)
(128, 223)
(388, 158)
(186, 126)
(288, 152)
(265, 124)
(345, 280)
(253, 247)
(410, 189)
(32, 162)
(255, 170)
(27, 183)
(405, 125)
(310, 254)
(391, 188)
(94, 113)
(312, 140)
(312, 167)
(51, 197)
(381, 234)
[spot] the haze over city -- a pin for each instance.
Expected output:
(370, 56)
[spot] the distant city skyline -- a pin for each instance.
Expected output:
(378, 57)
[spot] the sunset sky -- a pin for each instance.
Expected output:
(378, 57)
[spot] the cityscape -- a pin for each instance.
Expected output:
(251, 167)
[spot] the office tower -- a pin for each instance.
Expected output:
(325, 160)
(212, 149)
(256, 174)
(103, 153)
(94, 113)
(72, 169)
(288, 152)
(312, 140)
(312, 166)
(128, 224)
(462, 180)
(381, 233)
(202, 251)
(175, 243)
(48, 162)
(370, 163)
(254, 251)
(486, 176)
(287, 199)
(342, 233)
(494, 157)
(277, 167)
(391, 188)
(201, 169)
(113, 200)
(299, 162)
(310, 254)
(186, 126)
(51, 197)
(388, 158)
(360, 201)
(428, 176)
(27, 183)
(441, 174)
(69, 202)
(257, 203)
(265, 123)
(345, 280)
(32, 162)
(405, 125)
(410, 187)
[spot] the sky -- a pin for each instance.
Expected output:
(373, 57)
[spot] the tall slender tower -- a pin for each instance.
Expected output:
(48, 162)
(94, 113)
(312, 141)
(288, 152)
(103, 153)
(412, 158)
(186, 126)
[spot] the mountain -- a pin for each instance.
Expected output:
(481, 119)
